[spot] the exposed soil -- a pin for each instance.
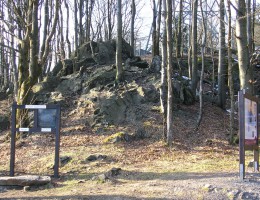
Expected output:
(200, 165)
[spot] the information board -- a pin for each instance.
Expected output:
(46, 118)
(248, 129)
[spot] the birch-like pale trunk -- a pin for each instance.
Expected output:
(194, 44)
(169, 73)
(163, 92)
(203, 44)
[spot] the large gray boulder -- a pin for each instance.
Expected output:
(70, 84)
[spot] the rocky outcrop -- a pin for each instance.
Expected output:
(93, 53)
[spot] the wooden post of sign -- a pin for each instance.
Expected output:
(13, 138)
(57, 143)
(241, 135)
(256, 151)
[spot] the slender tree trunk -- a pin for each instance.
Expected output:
(81, 32)
(119, 68)
(44, 36)
(76, 26)
(213, 64)
(190, 46)
(203, 44)
(179, 32)
(132, 41)
(245, 71)
(230, 77)
(253, 25)
(158, 28)
(249, 28)
(221, 59)
(154, 29)
(67, 30)
(169, 73)
(91, 7)
(1, 54)
(163, 92)
(194, 78)
(62, 42)
(109, 13)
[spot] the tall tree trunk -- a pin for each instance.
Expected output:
(253, 25)
(45, 27)
(81, 32)
(1, 53)
(203, 44)
(154, 29)
(109, 18)
(62, 42)
(221, 59)
(28, 73)
(132, 40)
(169, 73)
(13, 63)
(249, 28)
(67, 30)
(194, 78)
(158, 28)
(245, 71)
(230, 77)
(119, 68)
(163, 92)
(190, 45)
(179, 32)
(76, 26)
(213, 63)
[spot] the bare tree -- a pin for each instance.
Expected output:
(169, 73)
(221, 59)
(110, 17)
(132, 41)
(230, 76)
(119, 67)
(76, 26)
(194, 57)
(179, 32)
(158, 28)
(67, 29)
(163, 92)
(203, 44)
(81, 14)
(249, 27)
(245, 71)
(154, 28)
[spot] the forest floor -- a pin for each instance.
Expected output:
(200, 165)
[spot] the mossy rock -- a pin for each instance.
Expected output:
(118, 137)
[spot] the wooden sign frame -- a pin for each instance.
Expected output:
(36, 128)
(248, 129)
